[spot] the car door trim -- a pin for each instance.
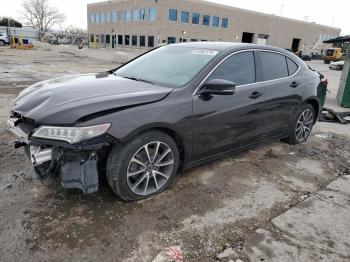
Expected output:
(251, 84)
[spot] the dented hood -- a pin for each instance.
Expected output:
(67, 99)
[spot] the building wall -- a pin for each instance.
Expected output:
(25, 32)
(280, 31)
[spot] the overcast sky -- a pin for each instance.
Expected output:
(332, 13)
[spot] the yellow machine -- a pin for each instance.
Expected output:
(17, 43)
(333, 55)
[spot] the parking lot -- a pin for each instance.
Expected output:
(275, 202)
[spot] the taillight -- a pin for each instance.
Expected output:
(325, 82)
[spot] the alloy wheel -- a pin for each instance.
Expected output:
(304, 125)
(150, 168)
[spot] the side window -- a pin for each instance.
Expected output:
(273, 66)
(292, 66)
(239, 68)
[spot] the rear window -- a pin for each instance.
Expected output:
(292, 66)
(330, 52)
(274, 66)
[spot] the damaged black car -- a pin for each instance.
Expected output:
(167, 110)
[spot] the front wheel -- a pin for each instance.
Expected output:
(144, 167)
(301, 125)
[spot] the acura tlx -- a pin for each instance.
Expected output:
(167, 110)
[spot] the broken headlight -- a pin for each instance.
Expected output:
(71, 134)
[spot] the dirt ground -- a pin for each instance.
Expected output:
(244, 206)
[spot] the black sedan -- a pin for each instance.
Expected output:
(169, 109)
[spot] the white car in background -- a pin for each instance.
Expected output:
(337, 65)
(4, 40)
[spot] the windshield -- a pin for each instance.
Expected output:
(330, 52)
(169, 65)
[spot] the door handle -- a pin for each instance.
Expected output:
(255, 95)
(294, 84)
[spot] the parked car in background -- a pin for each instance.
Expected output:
(332, 55)
(337, 65)
(305, 55)
(4, 39)
(172, 108)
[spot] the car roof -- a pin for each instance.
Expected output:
(228, 46)
(220, 46)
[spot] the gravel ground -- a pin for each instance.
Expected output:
(223, 205)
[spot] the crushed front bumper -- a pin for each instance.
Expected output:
(76, 165)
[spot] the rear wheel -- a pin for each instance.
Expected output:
(144, 167)
(2, 43)
(301, 125)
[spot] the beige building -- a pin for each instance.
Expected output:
(143, 24)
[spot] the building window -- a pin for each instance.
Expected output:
(172, 15)
(114, 17)
(194, 40)
(143, 15)
(108, 17)
(150, 41)
(171, 40)
(120, 39)
(98, 18)
(206, 20)
(216, 21)
(136, 15)
(92, 18)
(102, 39)
(108, 39)
(127, 16)
(92, 38)
(224, 23)
(195, 18)
(134, 40)
(152, 14)
(121, 15)
(185, 17)
(126, 40)
(142, 40)
(103, 18)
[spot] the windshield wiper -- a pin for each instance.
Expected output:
(138, 79)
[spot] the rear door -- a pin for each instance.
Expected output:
(284, 86)
(225, 122)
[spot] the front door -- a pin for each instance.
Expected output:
(225, 122)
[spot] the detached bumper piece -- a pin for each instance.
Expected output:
(79, 170)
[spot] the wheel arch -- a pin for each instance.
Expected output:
(184, 151)
(315, 103)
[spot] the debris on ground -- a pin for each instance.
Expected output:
(227, 254)
(170, 254)
(329, 115)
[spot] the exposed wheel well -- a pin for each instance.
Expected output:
(314, 103)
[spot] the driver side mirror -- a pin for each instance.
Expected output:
(218, 87)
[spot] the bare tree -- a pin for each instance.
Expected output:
(38, 14)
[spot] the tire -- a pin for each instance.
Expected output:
(2, 43)
(303, 122)
(132, 175)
